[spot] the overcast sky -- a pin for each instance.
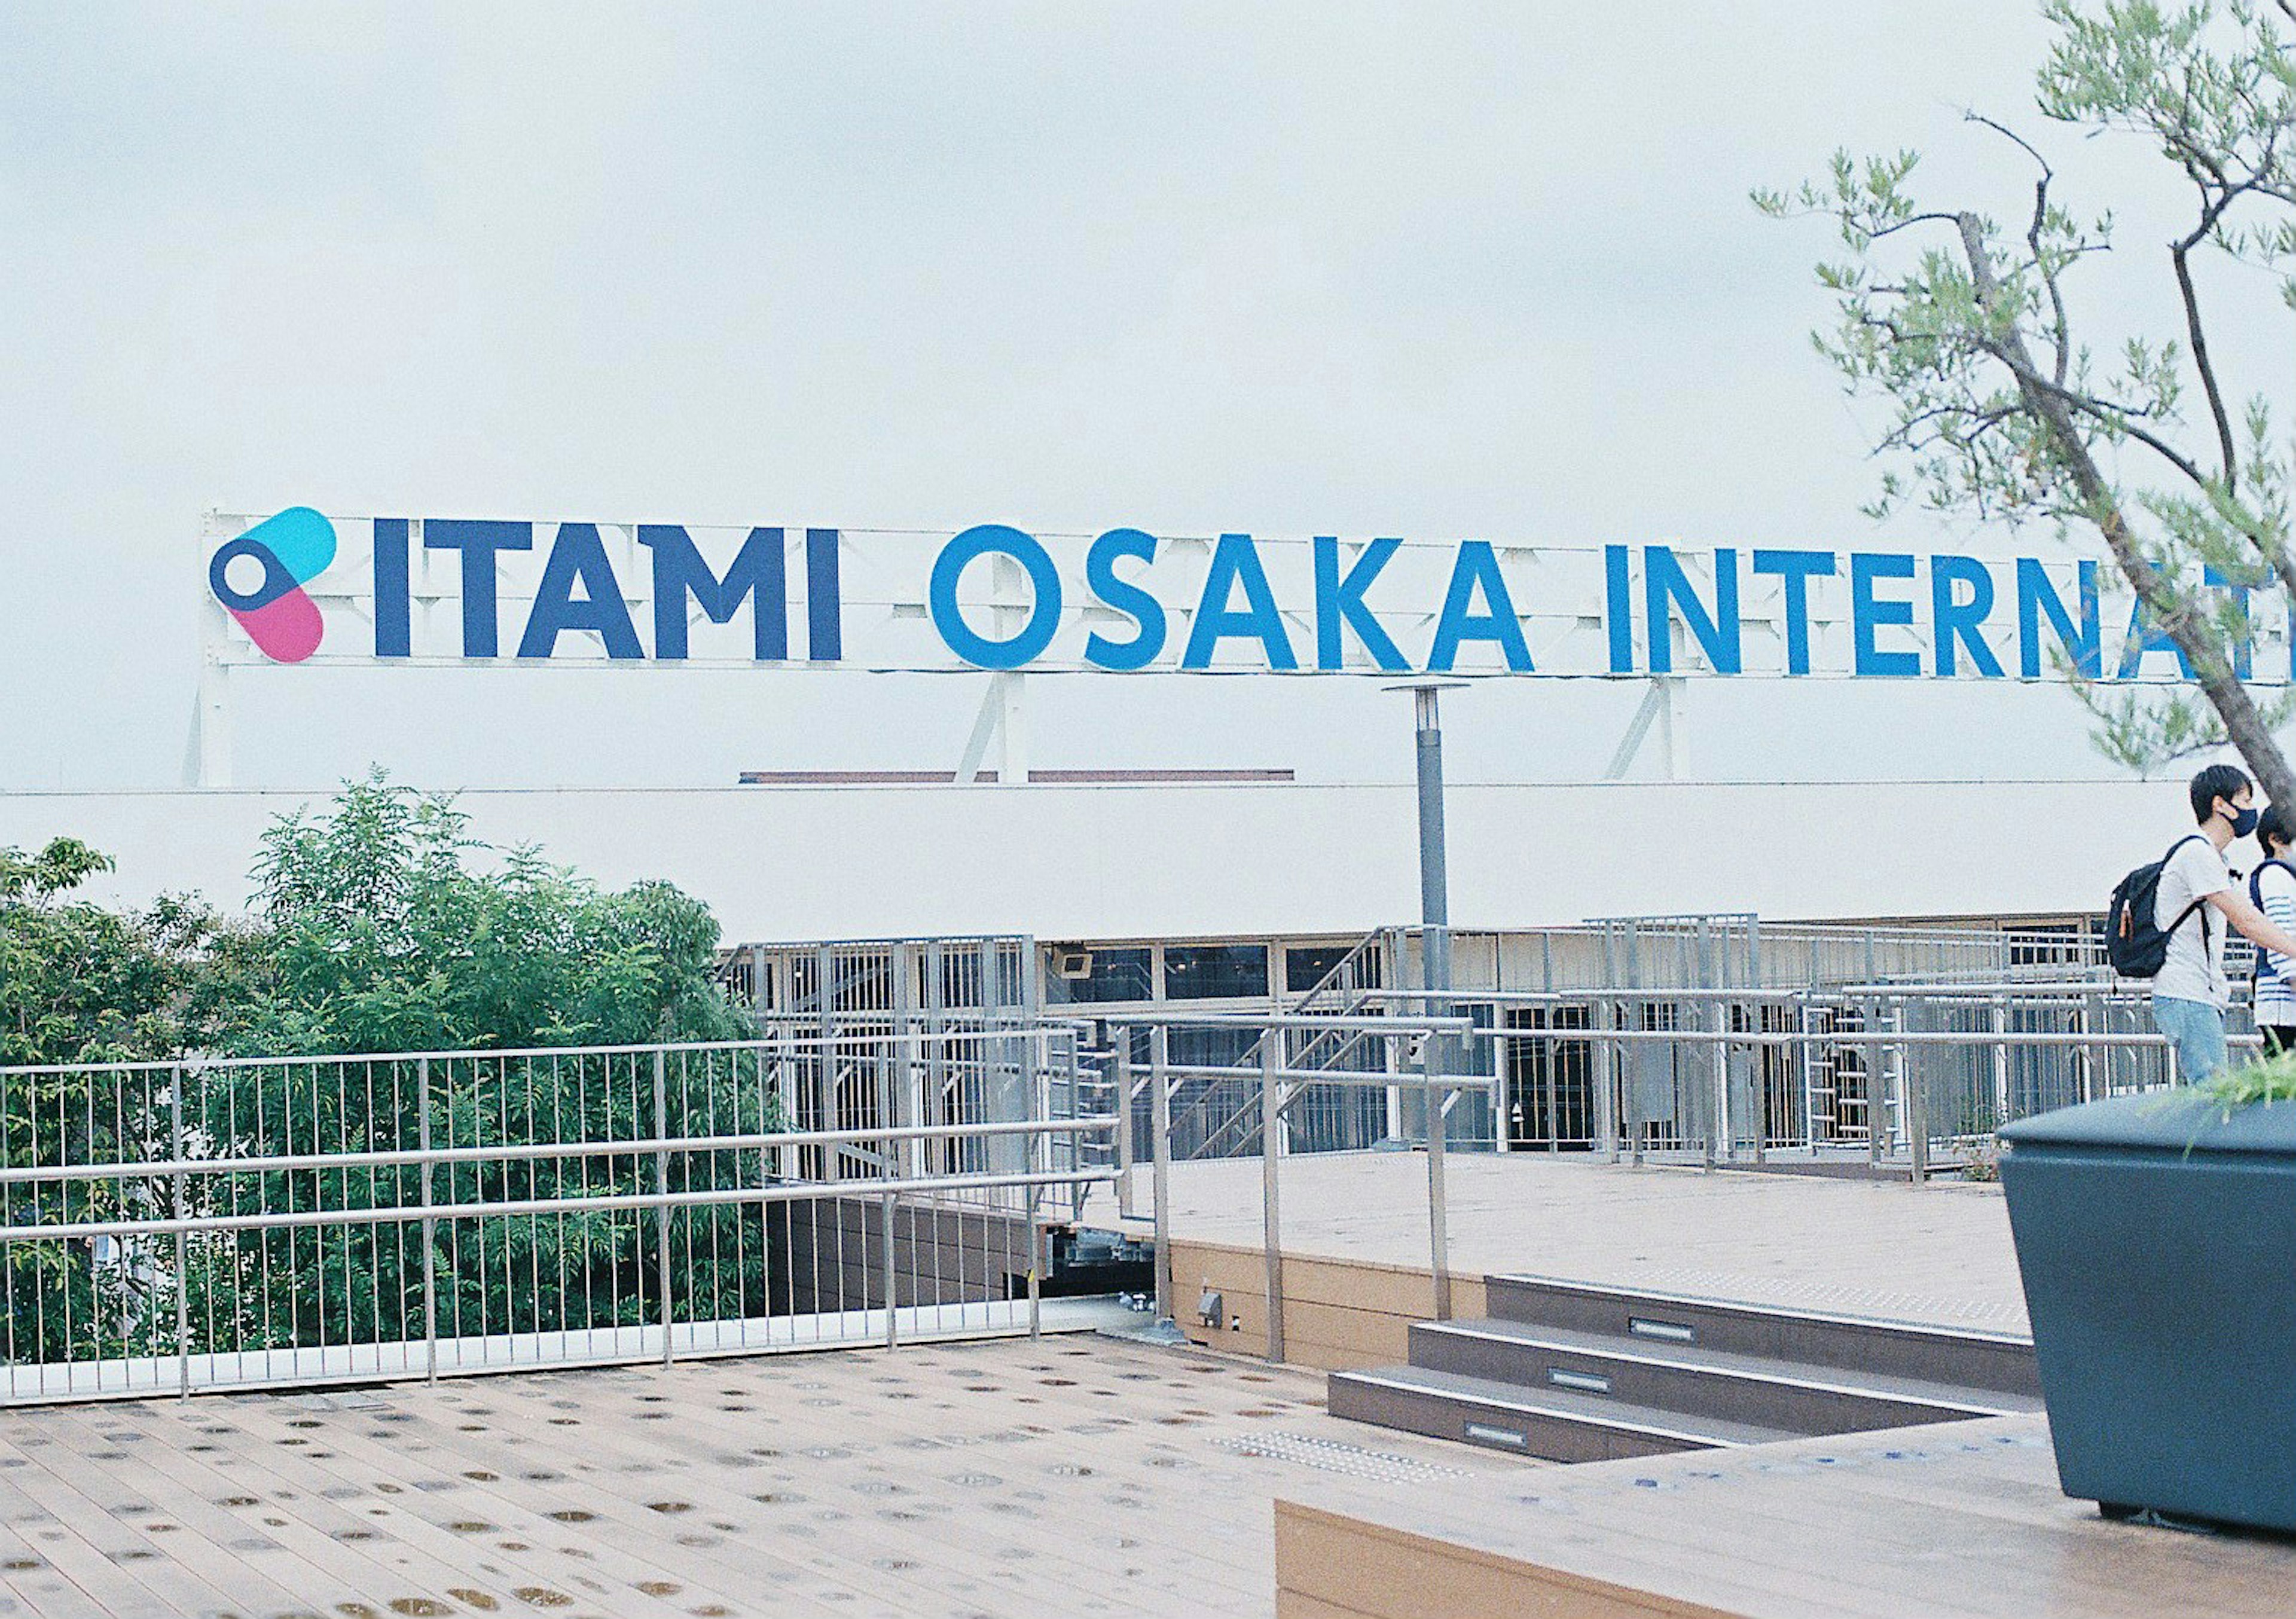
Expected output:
(1442, 271)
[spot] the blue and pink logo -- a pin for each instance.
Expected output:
(259, 579)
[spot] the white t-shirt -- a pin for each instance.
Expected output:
(2275, 978)
(2195, 969)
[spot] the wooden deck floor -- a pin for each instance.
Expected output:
(1938, 1254)
(1071, 1475)
(1963, 1520)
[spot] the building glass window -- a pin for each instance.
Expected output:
(1208, 972)
(1305, 966)
(1078, 977)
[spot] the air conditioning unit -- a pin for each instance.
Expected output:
(1072, 963)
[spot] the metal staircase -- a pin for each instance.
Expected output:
(1231, 1124)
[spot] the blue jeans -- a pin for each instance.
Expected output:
(2197, 1032)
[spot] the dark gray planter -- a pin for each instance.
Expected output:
(2157, 1240)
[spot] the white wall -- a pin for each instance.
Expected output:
(1108, 862)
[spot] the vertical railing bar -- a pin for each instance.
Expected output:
(637, 1180)
(715, 1302)
(661, 1189)
(1916, 1110)
(183, 1273)
(1037, 1236)
(892, 1319)
(64, 1195)
(10, 1346)
(1631, 1087)
(1438, 1233)
(1037, 1151)
(558, 1189)
(1159, 1115)
(2001, 1061)
(430, 1224)
(264, 1239)
(1807, 1054)
(685, 1164)
(1611, 1071)
(1877, 1088)
(399, 1269)
(118, 1190)
(1271, 1127)
(287, 1238)
(509, 1317)
(231, 1138)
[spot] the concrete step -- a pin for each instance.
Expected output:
(1962, 1358)
(1705, 1383)
(1554, 1423)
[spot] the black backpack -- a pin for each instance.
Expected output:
(2132, 944)
(2256, 896)
(2256, 879)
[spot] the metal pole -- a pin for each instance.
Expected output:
(1036, 1235)
(1439, 1231)
(1807, 1055)
(2001, 1061)
(892, 1321)
(1040, 1150)
(2084, 1063)
(1632, 1087)
(1705, 1019)
(1123, 1069)
(1717, 1122)
(1434, 879)
(1917, 1122)
(1159, 1125)
(1605, 1059)
(901, 1086)
(1758, 1067)
(1877, 1085)
(1271, 1127)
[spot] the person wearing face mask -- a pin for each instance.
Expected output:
(2195, 905)
(2272, 886)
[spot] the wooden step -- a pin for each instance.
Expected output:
(1554, 1423)
(1703, 1382)
(1962, 1358)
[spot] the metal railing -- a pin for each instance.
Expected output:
(1723, 1056)
(1899, 1075)
(211, 1223)
(1408, 1048)
(1217, 1111)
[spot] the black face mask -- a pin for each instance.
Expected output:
(2244, 821)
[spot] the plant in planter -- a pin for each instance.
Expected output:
(2156, 1236)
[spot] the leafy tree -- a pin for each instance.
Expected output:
(81, 985)
(383, 925)
(2006, 403)
(375, 933)
(378, 926)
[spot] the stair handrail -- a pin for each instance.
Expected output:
(1243, 1124)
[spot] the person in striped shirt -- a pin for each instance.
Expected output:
(2273, 886)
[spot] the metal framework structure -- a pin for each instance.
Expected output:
(1816, 979)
